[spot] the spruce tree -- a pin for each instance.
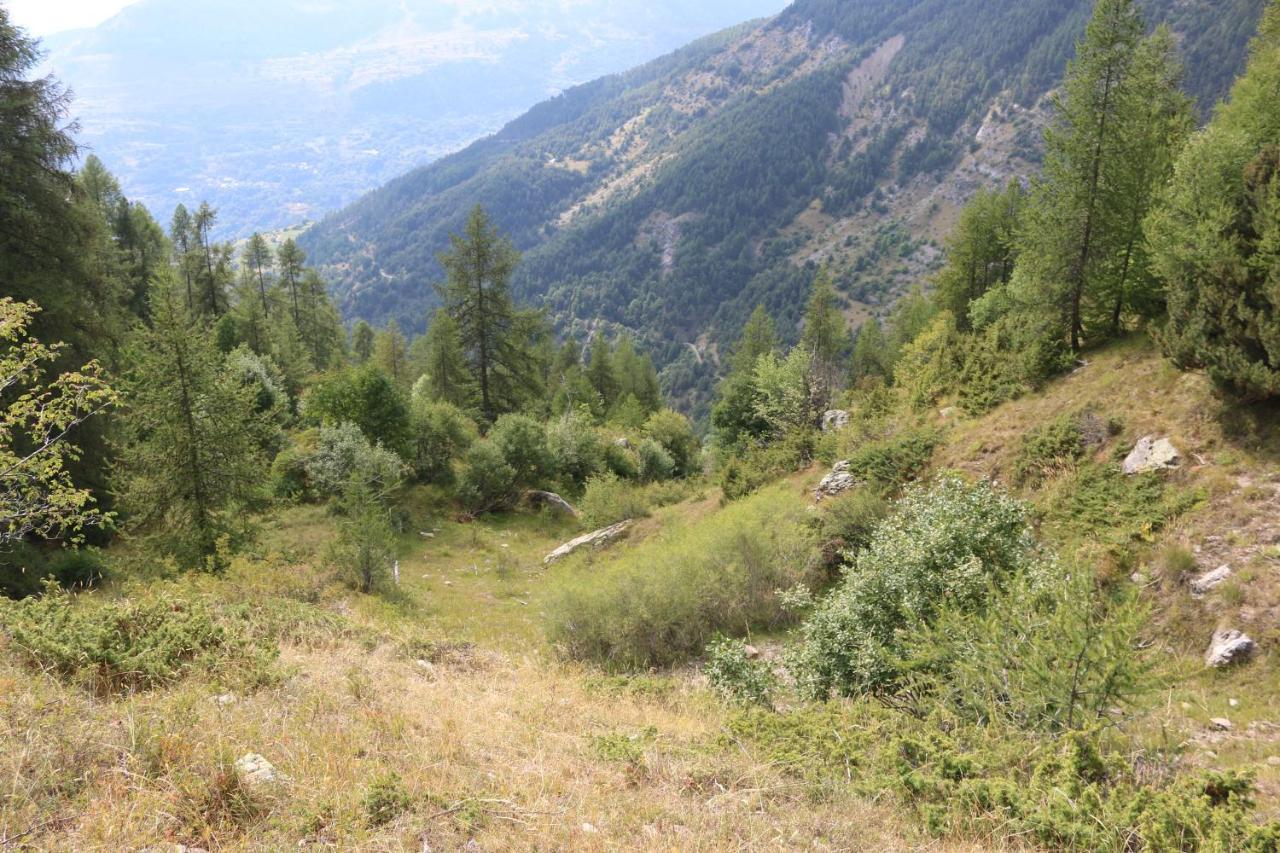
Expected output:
(1215, 235)
(257, 264)
(391, 354)
(981, 250)
(824, 338)
(870, 353)
(758, 338)
(291, 260)
(190, 455)
(601, 375)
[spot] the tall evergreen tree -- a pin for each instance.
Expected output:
(291, 260)
(181, 235)
(362, 336)
(257, 262)
(870, 353)
(1215, 235)
(391, 354)
(824, 338)
(981, 250)
(210, 277)
(476, 294)
(600, 373)
(446, 375)
(190, 456)
(758, 338)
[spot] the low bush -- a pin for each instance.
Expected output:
(621, 460)
(134, 644)
(1102, 505)
(487, 482)
(950, 544)
(659, 603)
(653, 462)
(674, 433)
(577, 453)
(523, 444)
(846, 522)
(441, 434)
(747, 472)
(385, 800)
(736, 677)
(890, 463)
(24, 569)
(343, 455)
(608, 500)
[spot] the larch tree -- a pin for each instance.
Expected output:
(446, 376)
(362, 336)
(391, 354)
(291, 261)
(190, 455)
(476, 293)
(1215, 235)
(824, 338)
(257, 262)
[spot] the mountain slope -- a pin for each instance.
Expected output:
(672, 199)
(280, 110)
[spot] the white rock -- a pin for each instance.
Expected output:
(752, 652)
(1220, 724)
(1152, 454)
(1234, 703)
(1274, 761)
(837, 482)
(596, 539)
(948, 412)
(225, 699)
(589, 829)
(1208, 580)
(835, 420)
(1229, 647)
(256, 770)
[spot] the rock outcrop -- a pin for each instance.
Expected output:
(837, 482)
(835, 420)
(1229, 647)
(597, 539)
(1152, 454)
(255, 770)
(1207, 581)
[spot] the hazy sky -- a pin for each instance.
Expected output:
(45, 17)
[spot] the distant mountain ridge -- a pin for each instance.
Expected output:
(671, 199)
(278, 111)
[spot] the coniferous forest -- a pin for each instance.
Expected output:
(857, 430)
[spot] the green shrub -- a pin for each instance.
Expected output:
(24, 569)
(654, 463)
(659, 602)
(132, 644)
(608, 500)
(1048, 449)
(950, 544)
(674, 433)
(736, 677)
(1101, 505)
(385, 800)
(746, 472)
(487, 482)
(576, 450)
(289, 479)
(441, 434)
(622, 461)
(364, 551)
(363, 396)
(889, 464)
(1052, 653)
(344, 456)
(523, 444)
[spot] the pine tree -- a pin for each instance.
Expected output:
(476, 294)
(758, 338)
(636, 375)
(824, 339)
(981, 250)
(181, 235)
(600, 373)
(190, 456)
(362, 336)
(1215, 235)
(257, 263)
(391, 354)
(445, 374)
(211, 274)
(291, 260)
(870, 353)
(321, 328)
(1075, 226)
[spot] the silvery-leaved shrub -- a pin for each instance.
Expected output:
(951, 543)
(344, 454)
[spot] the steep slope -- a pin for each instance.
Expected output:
(278, 111)
(672, 199)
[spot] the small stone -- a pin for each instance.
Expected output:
(835, 483)
(448, 583)
(1220, 724)
(1234, 703)
(427, 667)
(1209, 580)
(947, 413)
(589, 829)
(425, 534)
(256, 770)
(1274, 761)
(225, 699)
(1139, 579)
(752, 652)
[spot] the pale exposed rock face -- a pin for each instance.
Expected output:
(552, 500)
(1229, 647)
(597, 539)
(1209, 580)
(835, 420)
(1152, 454)
(256, 770)
(837, 482)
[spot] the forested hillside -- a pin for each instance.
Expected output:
(673, 199)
